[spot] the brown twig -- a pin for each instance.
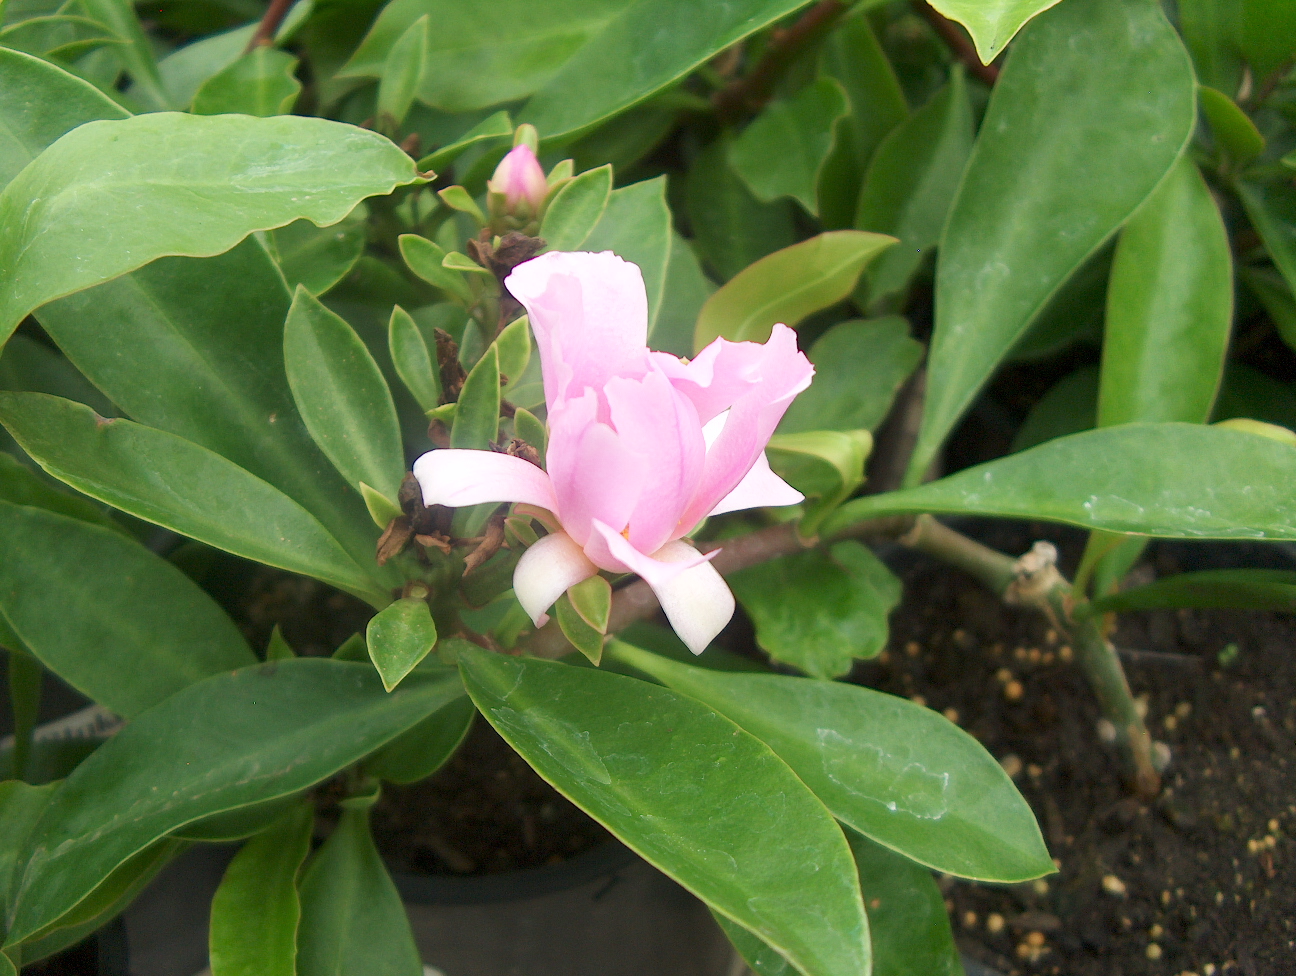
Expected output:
(269, 26)
(957, 42)
(752, 90)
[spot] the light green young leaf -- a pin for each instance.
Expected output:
(788, 285)
(121, 625)
(824, 465)
(425, 259)
(575, 210)
(399, 637)
(254, 913)
(579, 632)
(696, 796)
(782, 152)
(1063, 158)
(513, 345)
(636, 225)
(494, 127)
(1233, 129)
(317, 257)
(992, 25)
(57, 37)
(820, 610)
(194, 185)
(476, 419)
(412, 360)
(259, 83)
(342, 396)
(402, 72)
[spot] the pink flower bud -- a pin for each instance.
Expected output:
(642, 445)
(520, 178)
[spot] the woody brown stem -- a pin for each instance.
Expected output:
(956, 41)
(269, 26)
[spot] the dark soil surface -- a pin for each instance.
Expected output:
(1202, 880)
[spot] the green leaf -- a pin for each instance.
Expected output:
(1242, 589)
(260, 83)
(26, 677)
(684, 292)
(1069, 406)
(583, 616)
(480, 56)
(732, 228)
(317, 257)
(170, 481)
(633, 57)
(1234, 131)
(697, 797)
(60, 37)
(513, 346)
(1272, 209)
(1169, 307)
(412, 360)
(911, 183)
(476, 419)
(782, 152)
(208, 336)
(827, 465)
(636, 225)
(121, 625)
(40, 102)
(1075, 313)
(575, 210)
(402, 72)
(420, 752)
(1266, 34)
(399, 637)
(136, 54)
(859, 366)
(1063, 158)
(494, 127)
(19, 485)
(582, 636)
(21, 806)
(787, 286)
(1209, 28)
(1271, 288)
(194, 185)
(352, 918)
(897, 772)
(233, 740)
(820, 610)
(992, 25)
(1170, 480)
(462, 262)
(255, 910)
(342, 396)
(425, 260)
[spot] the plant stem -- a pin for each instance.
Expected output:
(269, 26)
(957, 42)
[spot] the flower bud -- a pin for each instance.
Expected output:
(521, 181)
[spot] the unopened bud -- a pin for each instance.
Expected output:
(520, 180)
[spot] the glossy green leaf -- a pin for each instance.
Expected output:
(1169, 307)
(787, 286)
(636, 225)
(1063, 158)
(420, 752)
(412, 360)
(992, 25)
(227, 742)
(859, 366)
(731, 227)
(897, 772)
(472, 61)
(260, 83)
(476, 421)
(1076, 313)
(819, 610)
(633, 57)
(19, 485)
(1272, 209)
(575, 210)
(342, 396)
(21, 806)
(208, 334)
(1069, 406)
(462, 262)
(425, 259)
(194, 185)
(255, 911)
(492, 128)
(532, 430)
(352, 918)
(399, 637)
(1170, 480)
(121, 625)
(402, 72)
(703, 801)
(782, 152)
(582, 614)
(40, 102)
(31, 366)
(1234, 131)
(1209, 28)
(684, 292)
(136, 54)
(824, 465)
(170, 481)
(513, 346)
(317, 257)
(911, 183)
(763, 959)
(1243, 589)
(578, 631)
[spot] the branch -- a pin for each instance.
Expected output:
(752, 90)
(269, 26)
(957, 42)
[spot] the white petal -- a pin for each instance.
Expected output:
(760, 488)
(457, 478)
(546, 570)
(698, 602)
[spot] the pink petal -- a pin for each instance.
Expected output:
(661, 425)
(590, 317)
(458, 478)
(594, 473)
(546, 571)
(760, 488)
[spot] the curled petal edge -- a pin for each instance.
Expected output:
(546, 571)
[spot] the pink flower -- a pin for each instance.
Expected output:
(521, 180)
(642, 445)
